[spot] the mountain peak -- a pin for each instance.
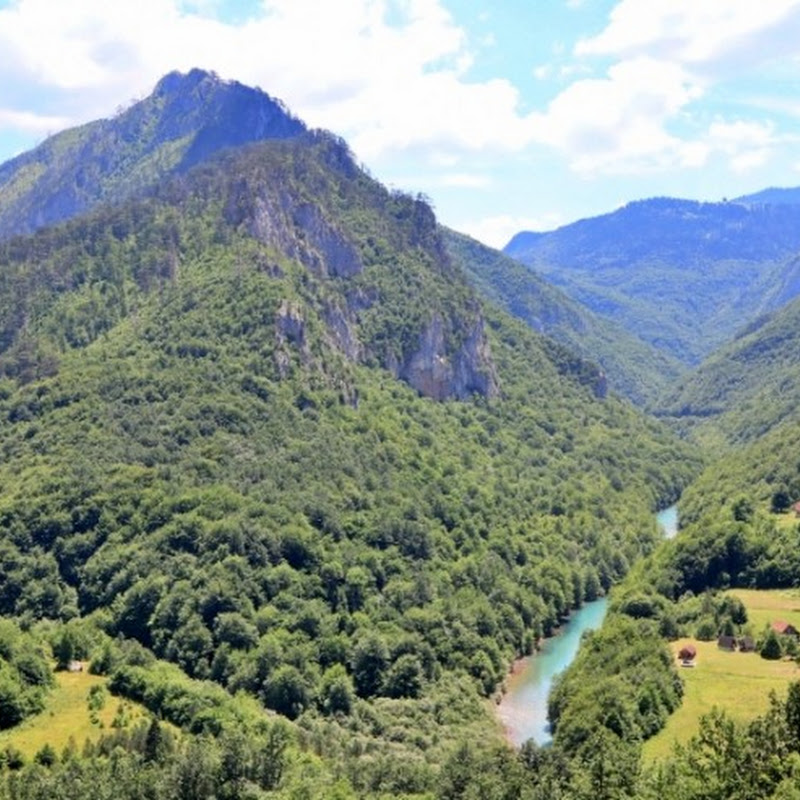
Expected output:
(188, 117)
(176, 82)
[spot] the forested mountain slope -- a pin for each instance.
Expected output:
(633, 368)
(183, 121)
(259, 422)
(681, 275)
(747, 387)
(738, 531)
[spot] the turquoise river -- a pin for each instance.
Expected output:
(523, 709)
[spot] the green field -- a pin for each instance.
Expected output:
(764, 607)
(67, 715)
(739, 683)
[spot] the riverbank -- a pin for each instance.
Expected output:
(522, 711)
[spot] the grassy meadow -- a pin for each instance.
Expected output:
(764, 607)
(739, 683)
(68, 716)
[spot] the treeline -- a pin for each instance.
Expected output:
(150, 761)
(25, 674)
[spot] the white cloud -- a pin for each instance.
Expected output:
(749, 160)
(618, 123)
(496, 231)
(337, 65)
(29, 122)
(730, 137)
(775, 105)
(748, 145)
(666, 57)
(464, 180)
(702, 31)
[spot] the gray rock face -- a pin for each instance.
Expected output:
(290, 325)
(342, 331)
(290, 332)
(301, 231)
(326, 248)
(436, 368)
(434, 373)
(601, 386)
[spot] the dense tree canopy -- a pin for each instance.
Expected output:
(228, 437)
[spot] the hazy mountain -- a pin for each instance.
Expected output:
(633, 368)
(772, 196)
(183, 121)
(681, 275)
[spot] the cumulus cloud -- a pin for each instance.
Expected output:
(701, 32)
(387, 74)
(665, 57)
(748, 145)
(618, 122)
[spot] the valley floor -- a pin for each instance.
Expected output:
(738, 683)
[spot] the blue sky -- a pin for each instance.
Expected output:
(509, 115)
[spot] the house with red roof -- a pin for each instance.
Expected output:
(784, 628)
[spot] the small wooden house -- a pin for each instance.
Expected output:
(747, 644)
(784, 628)
(726, 642)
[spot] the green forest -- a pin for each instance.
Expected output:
(298, 474)
(207, 452)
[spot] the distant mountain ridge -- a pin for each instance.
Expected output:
(632, 367)
(186, 118)
(772, 196)
(681, 275)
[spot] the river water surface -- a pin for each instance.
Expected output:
(523, 709)
(668, 520)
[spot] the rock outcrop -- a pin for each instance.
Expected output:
(435, 373)
(301, 232)
(290, 332)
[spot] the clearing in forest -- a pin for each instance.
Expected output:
(74, 709)
(738, 683)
